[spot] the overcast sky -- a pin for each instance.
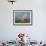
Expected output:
(22, 15)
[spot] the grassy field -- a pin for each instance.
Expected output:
(22, 21)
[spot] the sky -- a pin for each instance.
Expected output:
(22, 15)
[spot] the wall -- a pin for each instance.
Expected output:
(37, 31)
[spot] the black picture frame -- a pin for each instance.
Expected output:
(20, 15)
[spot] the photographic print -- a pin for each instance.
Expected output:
(22, 17)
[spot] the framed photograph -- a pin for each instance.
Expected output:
(22, 17)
